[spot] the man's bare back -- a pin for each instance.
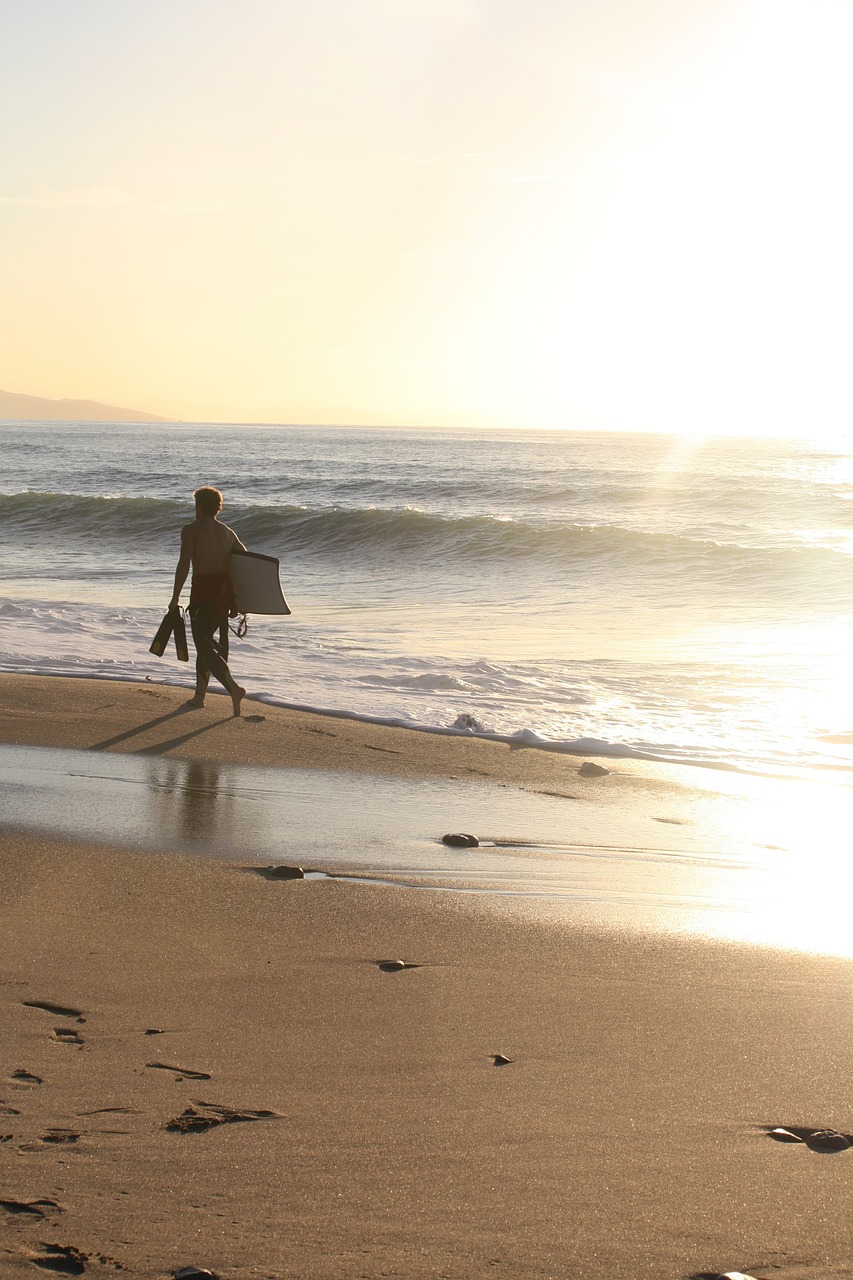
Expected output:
(209, 543)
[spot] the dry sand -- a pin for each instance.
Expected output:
(626, 1138)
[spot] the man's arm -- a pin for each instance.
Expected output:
(184, 563)
(236, 545)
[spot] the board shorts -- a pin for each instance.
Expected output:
(216, 589)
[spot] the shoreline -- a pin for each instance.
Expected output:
(30, 716)
(580, 749)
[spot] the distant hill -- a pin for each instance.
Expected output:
(38, 409)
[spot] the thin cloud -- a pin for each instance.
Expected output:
(532, 177)
(110, 198)
(89, 198)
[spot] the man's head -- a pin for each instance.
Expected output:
(208, 501)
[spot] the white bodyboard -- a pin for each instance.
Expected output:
(257, 588)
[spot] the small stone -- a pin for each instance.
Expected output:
(282, 872)
(154, 1031)
(461, 840)
(195, 1273)
(784, 1135)
(501, 1060)
(469, 723)
(827, 1140)
(393, 966)
(590, 770)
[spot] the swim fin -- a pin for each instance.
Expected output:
(158, 644)
(180, 632)
(173, 623)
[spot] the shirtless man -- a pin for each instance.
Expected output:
(206, 544)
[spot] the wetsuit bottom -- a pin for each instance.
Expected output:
(211, 655)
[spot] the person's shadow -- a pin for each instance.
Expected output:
(159, 748)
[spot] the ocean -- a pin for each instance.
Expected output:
(595, 593)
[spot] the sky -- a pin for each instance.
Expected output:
(623, 214)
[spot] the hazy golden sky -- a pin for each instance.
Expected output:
(623, 213)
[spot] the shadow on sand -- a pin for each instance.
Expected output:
(159, 748)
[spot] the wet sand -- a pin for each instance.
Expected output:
(107, 715)
(303, 1112)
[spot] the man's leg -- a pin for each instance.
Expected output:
(202, 673)
(205, 620)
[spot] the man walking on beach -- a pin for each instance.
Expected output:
(206, 545)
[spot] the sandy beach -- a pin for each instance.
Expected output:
(202, 1065)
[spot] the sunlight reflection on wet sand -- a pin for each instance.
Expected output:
(748, 859)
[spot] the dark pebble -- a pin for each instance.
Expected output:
(195, 1273)
(285, 873)
(590, 770)
(784, 1135)
(827, 1140)
(154, 1031)
(500, 1060)
(461, 840)
(393, 966)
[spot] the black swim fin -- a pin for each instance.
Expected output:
(158, 644)
(180, 630)
(172, 623)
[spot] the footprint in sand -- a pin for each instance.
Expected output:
(60, 1137)
(208, 1115)
(59, 1010)
(21, 1078)
(107, 1111)
(31, 1208)
(67, 1035)
(181, 1073)
(61, 1258)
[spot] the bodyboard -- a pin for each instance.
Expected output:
(257, 588)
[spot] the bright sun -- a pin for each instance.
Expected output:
(716, 298)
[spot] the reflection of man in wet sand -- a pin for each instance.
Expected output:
(207, 544)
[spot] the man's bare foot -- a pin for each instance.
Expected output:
(236, 698)
(194, 702)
